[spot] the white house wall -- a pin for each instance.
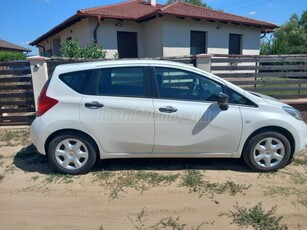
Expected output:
(176, 36)
(107, 34)
(162, 36)
(153, 38)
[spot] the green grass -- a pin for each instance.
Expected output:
(15, 137)
(118, 182)
(300, 161)
(256, 217)
(141, 219)
(1, 177)
(59, 178)
(193, 180)
(298, 178)
(35, 178)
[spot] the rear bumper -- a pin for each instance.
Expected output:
(38, 135)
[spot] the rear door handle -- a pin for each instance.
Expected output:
(93, 105)
(168, 109)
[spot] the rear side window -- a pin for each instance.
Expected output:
(78, 81)
(121, 81)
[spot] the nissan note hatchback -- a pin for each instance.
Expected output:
(147, 108)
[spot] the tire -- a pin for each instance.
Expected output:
(72, 153)
(267, 151)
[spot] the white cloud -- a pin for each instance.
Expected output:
(252, 13)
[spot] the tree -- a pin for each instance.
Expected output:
(193, 2)
(290, 38)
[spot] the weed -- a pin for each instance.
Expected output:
(164, 223)
(1, 177)
(298, 178)
(60, 178)
(15, 137)
(139, 180)
(35, 178)
(300, 161)
(194, 181)
(256, 217)
(1, 156)
(267, 174)
(276, 191)
(303, 202)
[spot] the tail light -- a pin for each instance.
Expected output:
(44, 102)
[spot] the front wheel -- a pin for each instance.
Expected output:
(72, 154)
(267, 151)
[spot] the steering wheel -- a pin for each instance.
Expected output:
(193, 91)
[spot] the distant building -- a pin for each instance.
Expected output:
(136, 29)
(7, 46)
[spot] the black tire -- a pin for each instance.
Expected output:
(251, 152)
(79, 164)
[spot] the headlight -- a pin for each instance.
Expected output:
(293, 112)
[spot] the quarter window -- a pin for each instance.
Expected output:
(184, 85)
(78, 80)
(121, 81)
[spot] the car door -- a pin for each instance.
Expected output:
(119, 113)
(188, 118)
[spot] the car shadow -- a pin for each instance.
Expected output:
(29, 160)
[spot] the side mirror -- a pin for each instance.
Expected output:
(222, 100)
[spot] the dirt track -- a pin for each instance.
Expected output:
(114, 194)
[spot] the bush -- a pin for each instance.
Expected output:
(71, 49)
(11, 56)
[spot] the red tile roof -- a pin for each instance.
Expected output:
(140, 10)
(187, 10)
(126, 10)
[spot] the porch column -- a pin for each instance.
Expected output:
(203, 61)
(39, 75)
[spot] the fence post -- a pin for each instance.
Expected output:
(39, 74)
(203, 61)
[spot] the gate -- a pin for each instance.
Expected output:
(16, 94)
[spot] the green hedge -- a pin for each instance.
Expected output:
(11, 56)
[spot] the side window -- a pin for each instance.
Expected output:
(184, 85)
(78, 80)
(121, 81)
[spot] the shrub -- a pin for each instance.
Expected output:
(71, 49)
(11, 56)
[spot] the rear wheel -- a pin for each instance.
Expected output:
(267, 151)
(72, 153)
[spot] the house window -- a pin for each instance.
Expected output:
(235, 46)
(198, 42)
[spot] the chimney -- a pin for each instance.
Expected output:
(152, 2)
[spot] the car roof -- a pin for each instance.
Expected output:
(107, 63)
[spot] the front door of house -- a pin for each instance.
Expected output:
(127, 44)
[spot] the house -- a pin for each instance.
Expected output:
(7, 46)
(136, 29)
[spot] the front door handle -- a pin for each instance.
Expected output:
(168, 109)
(93, 105)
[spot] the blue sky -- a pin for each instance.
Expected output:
(22, 21)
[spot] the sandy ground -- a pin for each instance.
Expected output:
(32, 196)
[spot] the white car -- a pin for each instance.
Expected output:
(148, 108)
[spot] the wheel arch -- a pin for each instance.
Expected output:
(69, 132)
(278, 129)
